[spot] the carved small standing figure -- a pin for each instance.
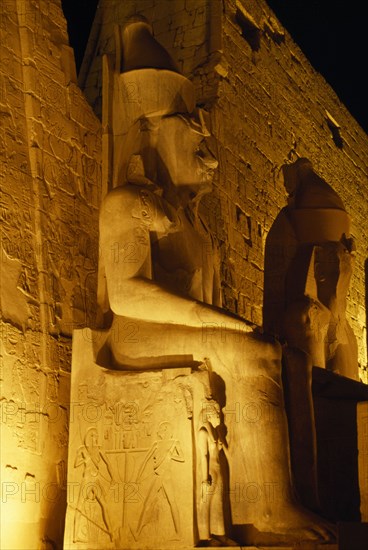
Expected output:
(211, 524)
(96, 475)
(163, 452)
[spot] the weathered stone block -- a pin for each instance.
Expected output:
(194, 36)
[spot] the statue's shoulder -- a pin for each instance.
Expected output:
(131, 200)
(127, 193)
(137, 205)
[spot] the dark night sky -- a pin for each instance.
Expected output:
(331, 33)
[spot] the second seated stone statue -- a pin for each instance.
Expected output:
(308, 265)
(159, 292)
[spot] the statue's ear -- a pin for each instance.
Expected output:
(349, 243)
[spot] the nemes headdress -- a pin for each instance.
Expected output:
(144, 83)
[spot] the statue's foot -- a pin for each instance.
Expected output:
(209, 543)
(293, 523)
(134, 533)
(225, 541)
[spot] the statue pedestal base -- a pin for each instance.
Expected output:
(131, 467)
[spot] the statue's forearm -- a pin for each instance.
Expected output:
(145, 300)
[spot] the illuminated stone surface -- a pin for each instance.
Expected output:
(158, 309)
(130, 460)
(50, 186)
(310, 252)
(266, 107)
(137, 455)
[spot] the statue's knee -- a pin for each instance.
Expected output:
(297, 362)
(264, 347)
(261, 356)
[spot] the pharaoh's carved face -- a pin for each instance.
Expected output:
(214, 419)
(333, 269)
(164, 430)
(91, 438)
(184, 158)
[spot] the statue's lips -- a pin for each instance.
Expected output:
(315, 225)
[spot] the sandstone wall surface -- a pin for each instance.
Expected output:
(50, 178)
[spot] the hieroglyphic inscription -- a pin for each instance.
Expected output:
(133, 461)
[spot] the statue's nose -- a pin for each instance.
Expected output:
(208, 159)
(211, 163)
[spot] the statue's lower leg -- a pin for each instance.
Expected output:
(302, 433)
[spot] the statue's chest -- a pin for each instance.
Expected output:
(181, 247)
(179, 257)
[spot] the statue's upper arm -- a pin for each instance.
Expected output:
(124, 233)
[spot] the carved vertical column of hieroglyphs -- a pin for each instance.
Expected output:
(50, 173)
